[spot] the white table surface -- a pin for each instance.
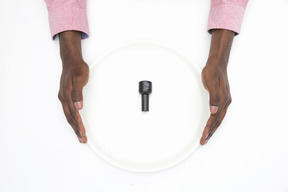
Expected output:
(38, 149)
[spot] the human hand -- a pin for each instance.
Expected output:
(215, 81)
(75, 75)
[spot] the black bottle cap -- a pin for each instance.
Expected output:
(145, 88)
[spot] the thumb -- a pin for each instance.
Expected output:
(76, 94)
(214, 99)
(213, 109)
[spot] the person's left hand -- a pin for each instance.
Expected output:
(215, 81)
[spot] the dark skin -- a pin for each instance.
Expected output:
(75, 75)
(215, 80)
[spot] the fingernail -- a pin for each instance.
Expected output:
(80, 140)
(202, 141)
(213, 109)
(84, 139)
(78, 105)
(205, 141)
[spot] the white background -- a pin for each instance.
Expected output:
(38, 149)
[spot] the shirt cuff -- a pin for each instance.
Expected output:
(226, 16)
(68, 18)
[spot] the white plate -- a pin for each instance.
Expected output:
(120, 132)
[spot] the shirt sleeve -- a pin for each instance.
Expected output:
(226, 14)
(67, 15)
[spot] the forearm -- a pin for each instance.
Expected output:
(221, 43)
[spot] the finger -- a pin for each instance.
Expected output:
(74, 114)
(210, 124)
(62, 96)
(69, 118)
(216, 125)
(222, 115)
(216, 113)
(214, 97)
(214, 108)
(78, 82)
(77, 99)
(78, 125)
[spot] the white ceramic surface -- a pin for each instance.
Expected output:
(120, 132)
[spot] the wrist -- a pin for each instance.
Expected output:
(221, 43)
(70, 46)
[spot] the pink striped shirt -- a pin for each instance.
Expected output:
(71, 15)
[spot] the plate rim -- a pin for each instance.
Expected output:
(94, 66)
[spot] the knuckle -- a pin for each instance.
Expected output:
(203, 73)
(76, 96)
(226, 98)
(60, 96)
(214, 100)
(81, 71)
(229, 101)
(85, 67)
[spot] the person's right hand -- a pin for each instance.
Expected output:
(75, 75)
